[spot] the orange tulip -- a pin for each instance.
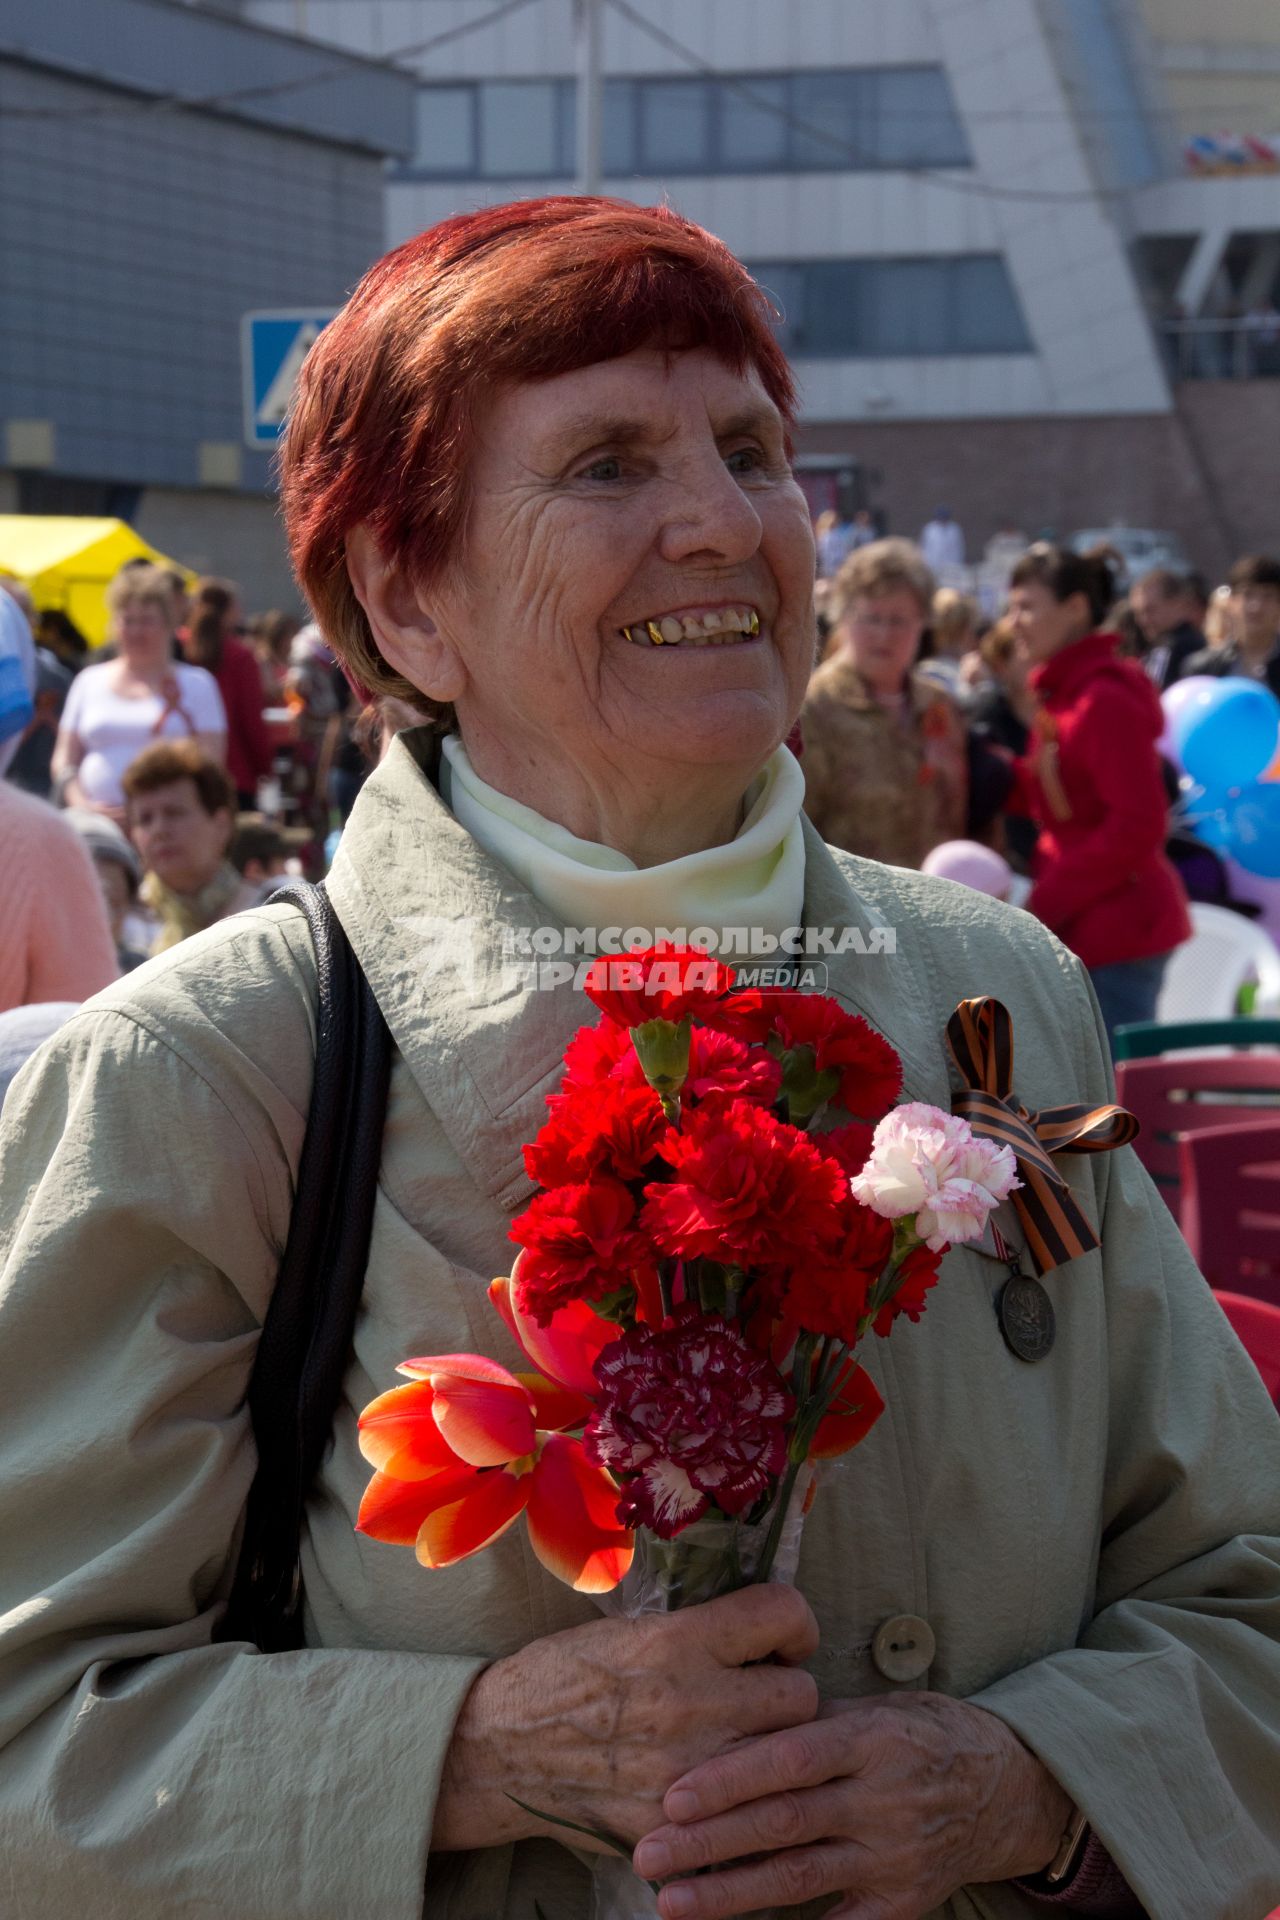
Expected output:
(853, 1410)
(567, 1347)
(466, 1448)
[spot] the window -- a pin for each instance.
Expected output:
(519, 128)
(846, 120)
(446, 132)
(890, 309)
(675, 127)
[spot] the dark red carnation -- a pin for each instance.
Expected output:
(869, 1071)
(918, 1272)
(609, 1128)
(656, 983)
(849, 1147)
(746, 1189)
(828, 1293)
(594, 1053)
(721, 1068)
(687, 1416)
(581, 1242)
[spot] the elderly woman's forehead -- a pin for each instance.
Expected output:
(639, 393)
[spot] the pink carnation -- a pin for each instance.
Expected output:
(932, 1165)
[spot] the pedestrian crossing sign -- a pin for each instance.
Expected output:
(273, 347)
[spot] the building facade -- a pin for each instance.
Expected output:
(1016, 271)
(167, 170)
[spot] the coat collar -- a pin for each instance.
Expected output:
(841, 678)
(431, 917)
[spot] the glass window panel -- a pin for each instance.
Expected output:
(909, 301)
(618, 143)
(675, 126)
(834, 111)
(987, 315)
(915, 119)
(517, 128)
(754, 133)
(837, 299)
(566, 126)
(785, 286)
(445, 127)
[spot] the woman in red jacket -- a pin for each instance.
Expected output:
(1091, 780)
(209, 640)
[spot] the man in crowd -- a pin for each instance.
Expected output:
(1254, 650)
(181, 811)
(1164, 610)
(942, 542)
(261, 850)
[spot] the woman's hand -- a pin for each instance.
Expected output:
(891, 1802)
(594, 1724)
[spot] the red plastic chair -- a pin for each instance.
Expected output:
(1231, 1207)
(1183, 1094)
(1257, 1325)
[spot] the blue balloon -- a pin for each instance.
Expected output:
(1208, 812)
(1227, 734)
(1254, 830)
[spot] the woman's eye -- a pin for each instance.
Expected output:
(608, 468)
(745, 460)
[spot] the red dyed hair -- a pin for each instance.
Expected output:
(382, 427)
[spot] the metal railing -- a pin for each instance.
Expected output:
(1247, 349)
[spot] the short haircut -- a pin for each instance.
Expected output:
(1166, 582)
(383, 425)
(998, 645)
(882, 566)
(1066, 573)
(140, 583)
(954, 612)
(1255, 570)
(165, 761)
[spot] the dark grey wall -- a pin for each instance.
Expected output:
(132, 239)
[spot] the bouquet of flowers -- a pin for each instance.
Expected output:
(730, 1203)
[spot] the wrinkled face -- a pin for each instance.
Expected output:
(1043, 625)
(178, 841)
(1257, 613)
(636, 585)
(882, 632)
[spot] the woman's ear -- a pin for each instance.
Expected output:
(403, 631)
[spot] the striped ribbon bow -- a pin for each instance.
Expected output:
(980, 1036)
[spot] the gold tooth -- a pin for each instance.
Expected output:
(655, 633)
(754, 624)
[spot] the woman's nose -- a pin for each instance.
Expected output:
(707, 514)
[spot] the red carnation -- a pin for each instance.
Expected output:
(580, 1243)
(595, 1052)
(656, 983)
(721, 1068)
(687, 1415)
(609, 1128)
(747, 1189)
(828, 1293)
(917, 1273)
(870, 1072)
(849, 1147)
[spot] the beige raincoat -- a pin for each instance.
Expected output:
(1092, 1540)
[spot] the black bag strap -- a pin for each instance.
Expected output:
(305, 1344)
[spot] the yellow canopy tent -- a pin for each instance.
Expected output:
(66, 562)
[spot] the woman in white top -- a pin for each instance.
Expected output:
(120, 706)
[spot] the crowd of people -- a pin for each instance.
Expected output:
(159, 783)
(1021, 754)
(198, 757)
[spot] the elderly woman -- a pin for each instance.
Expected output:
(886, 771)
(120, 706)
(537, 479)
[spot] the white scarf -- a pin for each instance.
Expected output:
(755, 881)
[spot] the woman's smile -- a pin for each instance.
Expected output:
(733, 625)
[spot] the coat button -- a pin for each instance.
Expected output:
(904, 1647)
